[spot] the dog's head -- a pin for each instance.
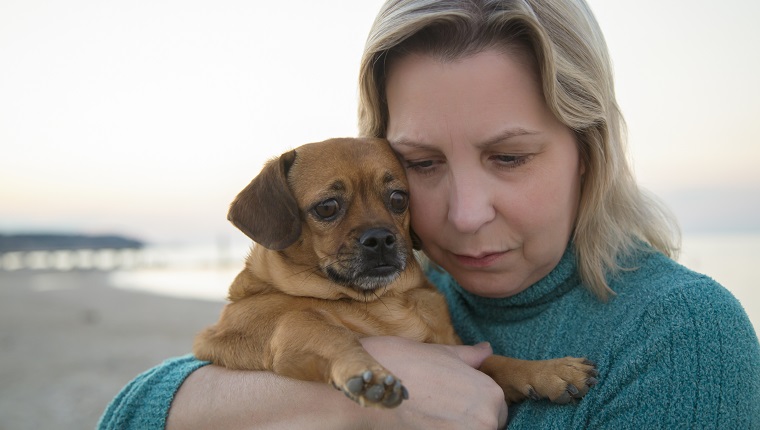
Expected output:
(339, 206)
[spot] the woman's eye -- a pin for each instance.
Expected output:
(421, 166)
(511, 161)
(327, 209)
(423, 163)
(399, 201)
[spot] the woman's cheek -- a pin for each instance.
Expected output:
(425, 214)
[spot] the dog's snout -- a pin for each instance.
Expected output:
(377, 239)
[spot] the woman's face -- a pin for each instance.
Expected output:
(494, 176)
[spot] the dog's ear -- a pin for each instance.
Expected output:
(266, 210)
(416, 241)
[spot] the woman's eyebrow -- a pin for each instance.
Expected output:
(402, 141)
(498, 138)
(506, 135)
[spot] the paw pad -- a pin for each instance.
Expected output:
(370, 389)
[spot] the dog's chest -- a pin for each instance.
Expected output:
(423, 318)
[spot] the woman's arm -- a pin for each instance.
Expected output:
(446, 391)
(215, 397)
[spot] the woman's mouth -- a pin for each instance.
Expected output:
(480, 261)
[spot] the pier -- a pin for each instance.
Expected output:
(63, 252)
(80, 259)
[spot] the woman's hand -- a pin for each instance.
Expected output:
(445, 392)
(445, 389)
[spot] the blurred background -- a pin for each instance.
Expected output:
(142, 120)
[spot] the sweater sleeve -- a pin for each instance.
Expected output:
(144, 402)
(691, 360)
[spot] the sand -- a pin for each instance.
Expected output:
(69, 343)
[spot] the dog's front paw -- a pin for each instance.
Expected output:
(563, 379)
(376, 387)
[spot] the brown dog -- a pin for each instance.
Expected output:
(334, 263)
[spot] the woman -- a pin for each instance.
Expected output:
(505, 117)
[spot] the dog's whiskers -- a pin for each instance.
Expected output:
(317, 269)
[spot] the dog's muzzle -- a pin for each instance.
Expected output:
(380, 253)
(376, 261)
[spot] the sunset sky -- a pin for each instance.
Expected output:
(146, 118)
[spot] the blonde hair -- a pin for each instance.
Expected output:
(615, 217)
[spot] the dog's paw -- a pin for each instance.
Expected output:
(376, 387)
(563, 380)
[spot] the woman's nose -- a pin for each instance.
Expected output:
(470, 205)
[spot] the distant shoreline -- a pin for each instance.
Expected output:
(28, 242)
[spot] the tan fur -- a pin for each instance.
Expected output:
(312, 287)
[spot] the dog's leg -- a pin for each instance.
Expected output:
(560, 380)
(308, 345)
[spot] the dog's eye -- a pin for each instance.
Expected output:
(327, 209)
(399, 201)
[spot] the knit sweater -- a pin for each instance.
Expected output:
(674, 349)
(144, 403)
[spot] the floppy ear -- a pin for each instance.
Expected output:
(266, 210)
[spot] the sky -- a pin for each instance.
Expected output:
(146, 118)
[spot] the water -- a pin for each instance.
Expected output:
(205, 272)
(199, 271)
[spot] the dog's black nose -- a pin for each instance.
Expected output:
(378, 239)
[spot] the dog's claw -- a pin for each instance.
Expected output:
(397, 394)
(532, 394)
(573, 391)
(593, 371)
(592, 381)
(367, 376)
(393, 399)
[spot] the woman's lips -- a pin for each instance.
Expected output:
(481, 261)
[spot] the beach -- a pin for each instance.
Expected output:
(69, 343)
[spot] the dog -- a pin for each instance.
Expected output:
(333, 262)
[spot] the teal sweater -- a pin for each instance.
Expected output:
(675, 351)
